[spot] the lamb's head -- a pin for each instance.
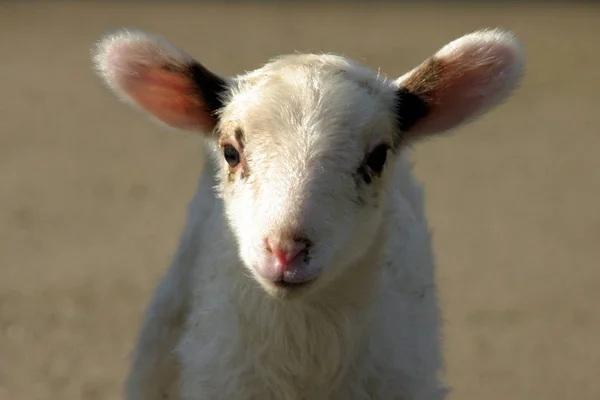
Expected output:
(307, 144)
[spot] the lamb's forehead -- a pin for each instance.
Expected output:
(303, 90)
(323, 65)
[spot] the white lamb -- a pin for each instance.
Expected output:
(306, 270)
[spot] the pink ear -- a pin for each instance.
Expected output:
(155, 76)
(463, 80)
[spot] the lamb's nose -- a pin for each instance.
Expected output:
(285, 250)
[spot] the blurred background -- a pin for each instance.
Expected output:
(93, 196)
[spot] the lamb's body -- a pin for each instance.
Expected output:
(372, 336)
(306, 270)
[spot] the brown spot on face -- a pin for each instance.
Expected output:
(372, 166)
(362, 175)
(359, 178)
(245, 172)
(239, 136)
(231, 177)
(238, 141)
(358, 200)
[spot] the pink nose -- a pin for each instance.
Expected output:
(285, 250)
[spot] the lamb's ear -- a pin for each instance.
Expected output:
(463, 80)
(155, 76)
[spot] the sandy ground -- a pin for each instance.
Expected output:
(93, 196)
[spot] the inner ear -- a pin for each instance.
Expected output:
(460, 82)
(155, 76)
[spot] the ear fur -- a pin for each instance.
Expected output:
(462, 81)
(153, 75)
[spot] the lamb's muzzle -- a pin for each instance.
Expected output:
(285, 260)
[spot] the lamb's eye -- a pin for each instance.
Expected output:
(232, 156)
(376, 159)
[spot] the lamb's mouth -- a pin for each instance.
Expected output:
(292, 285)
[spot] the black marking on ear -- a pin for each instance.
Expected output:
(410, 108)
(210, 87)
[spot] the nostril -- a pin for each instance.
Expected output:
(296, 249)
(299, 239)
(285, 251)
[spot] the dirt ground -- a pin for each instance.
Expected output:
(93, 196)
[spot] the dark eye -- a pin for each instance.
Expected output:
(376, 159)
(232, 156)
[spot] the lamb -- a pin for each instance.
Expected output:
(306, 268)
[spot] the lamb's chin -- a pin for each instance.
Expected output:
(286, 290)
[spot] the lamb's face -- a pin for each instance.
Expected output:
(307, 143)
(307, 147)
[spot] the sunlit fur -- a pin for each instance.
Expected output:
(308, 122)
(368, 327)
